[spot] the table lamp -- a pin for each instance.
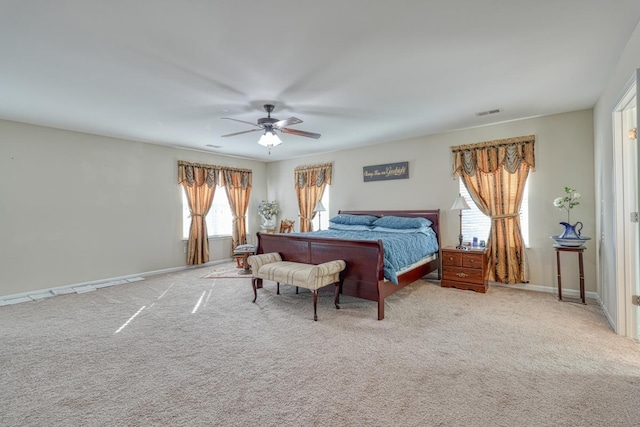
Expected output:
(319, 208)
(460, 204)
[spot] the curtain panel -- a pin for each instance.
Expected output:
(199, 182)
(310, 182)
(495, 173)
(237, 182)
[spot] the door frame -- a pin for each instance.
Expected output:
(626, 257)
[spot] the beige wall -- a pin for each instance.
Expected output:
(564, 157)
(78, 208)
(90, 221)
(610, 287)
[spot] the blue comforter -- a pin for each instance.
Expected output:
(400, 249)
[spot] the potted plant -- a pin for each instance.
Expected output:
(571, 234)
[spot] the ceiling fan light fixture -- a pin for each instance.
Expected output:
(270, 125)
(269, 139)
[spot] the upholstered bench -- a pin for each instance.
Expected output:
(313, 277)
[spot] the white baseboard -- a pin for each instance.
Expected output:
(94, 285)
(114, 281)
(612, 324)
(548, 289)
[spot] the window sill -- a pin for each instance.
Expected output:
(222, 237)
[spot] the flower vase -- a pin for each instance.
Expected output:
(570, 237)
(269, 223)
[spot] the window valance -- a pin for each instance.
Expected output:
(232, 177)
(200, 174)
(317, 175)
(488, 156)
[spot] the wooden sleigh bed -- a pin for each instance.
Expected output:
(363, 276)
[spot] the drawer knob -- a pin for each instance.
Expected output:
(462, 275)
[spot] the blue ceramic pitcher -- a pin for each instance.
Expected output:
(570, 231)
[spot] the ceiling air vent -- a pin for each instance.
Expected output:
(486, 113)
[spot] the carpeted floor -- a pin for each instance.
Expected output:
(182, 350)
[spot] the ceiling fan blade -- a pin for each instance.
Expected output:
(241, 121)
(240, 133)
(287, 122)
(301, 133)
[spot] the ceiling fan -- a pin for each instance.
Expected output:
(270, 125)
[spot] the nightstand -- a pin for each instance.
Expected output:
(464, 269)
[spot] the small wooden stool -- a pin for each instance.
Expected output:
(242, 252)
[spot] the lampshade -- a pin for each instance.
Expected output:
(319, 207)
(269, 139)
(460, 203)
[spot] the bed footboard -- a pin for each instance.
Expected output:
(364, 258)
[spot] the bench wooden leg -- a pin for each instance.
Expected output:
(255, 288)
(315, 304)
(336, 300)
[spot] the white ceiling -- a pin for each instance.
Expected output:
(357, 71)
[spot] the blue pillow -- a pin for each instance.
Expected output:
(346, 227)
(401, 222)
(349, 219)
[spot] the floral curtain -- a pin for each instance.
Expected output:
(199, 182)
(310, 182)
(495, 173)
(238, 185)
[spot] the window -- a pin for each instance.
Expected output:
(477, 224)
(323, 216)
(219, 218)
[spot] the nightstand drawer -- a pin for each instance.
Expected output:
(461, 274)
(452, 258)
(472, 261)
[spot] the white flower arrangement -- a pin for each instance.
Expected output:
(568, 202)
(267, 209)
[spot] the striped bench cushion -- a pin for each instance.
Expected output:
(294, 273)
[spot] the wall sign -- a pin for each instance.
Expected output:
(385, 172)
